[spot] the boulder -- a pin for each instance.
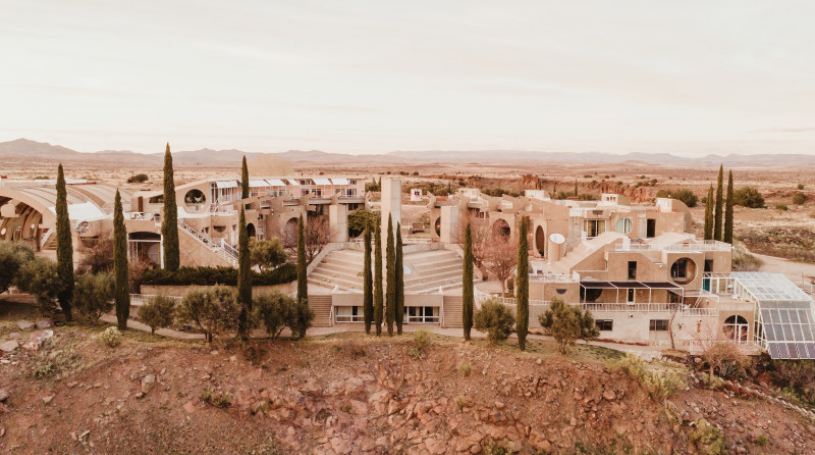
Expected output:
(43, 324)
(14, 336)
(9, 346)
(3, 395)
(147, 383)
(36, 339)
(25, 325)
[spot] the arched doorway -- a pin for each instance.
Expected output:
(502, 229)
(737, 329)
(144, 246)
(290, 232)
(540, 240)
(250, 230)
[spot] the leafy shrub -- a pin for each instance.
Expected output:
(762, 440)
(111, 337)
(268, 254)
(214, 310)
(491, 447)
(138, 178)
(496, 319)
(93, 295)
(782, 207)
(358, 219)
(219, 401)
(799, 198)
(158, 312)
(708, 439)
(13, 256)
(212, 276)
(276, 311)
(465, 367)
(748, 197)
(661, 386)
(99, 258)
(39, 277)
(800, 186)
(713, 382)
(44, 370)
(568, 323)
(421, 340)
(686, 196)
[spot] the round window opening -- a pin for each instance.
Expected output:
(683, 271)
(624, 226)
(437, 226)
(194, 197)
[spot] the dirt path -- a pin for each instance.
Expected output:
(797, 272)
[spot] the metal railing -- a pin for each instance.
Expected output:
(708, 245)
(215, 246)
(231, 250)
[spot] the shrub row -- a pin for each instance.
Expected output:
(211, 276)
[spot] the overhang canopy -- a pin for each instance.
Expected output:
(227, 184)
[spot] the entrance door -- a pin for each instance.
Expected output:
(737, 329)
(651, 231)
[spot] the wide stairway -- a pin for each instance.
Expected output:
(425, 272)
(452, 311)
(321, 304)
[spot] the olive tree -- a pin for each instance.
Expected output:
(276, 311)
(496, 319)
(93, 295)
(214, 310)
(40, 278)
(13, 256)
(268, 254)
(158, 312)
(567, 324)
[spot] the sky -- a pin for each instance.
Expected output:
(689, 78)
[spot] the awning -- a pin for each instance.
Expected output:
(340, 181)
(275, 182)
(227, 184)
(258, 184)
(322, 182)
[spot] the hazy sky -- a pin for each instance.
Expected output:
(691, 77)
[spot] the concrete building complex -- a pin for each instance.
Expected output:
(638, 269)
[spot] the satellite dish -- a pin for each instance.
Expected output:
(557, 239)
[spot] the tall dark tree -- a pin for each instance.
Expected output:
(719, 214)
(245, 279)
(65, 248)
(468, 297)
(368, 282)
(169, 225)
(522, 286)
(576, 190)
(302, 268)
(390, 294)
(400, 281)
(244, 179)
(378, 293)
(709, 214)
(728, 211)
(121, 292)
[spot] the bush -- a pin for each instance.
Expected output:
(782, 207)
(276, 311)
(111, 337)
(800, 186)
(93, 295)
(708, 439)
(213, 310)
(359, 219)
(138, 178)
(496, 319)
(212, 276)
(686, 196)
(568, 323)
(99, 258)
(464, 367)
(421, 340)
(268, 254)
(158, 312)
(13, 256)
(661, 386)
(799, 198)
(39, 277)
(748, 197)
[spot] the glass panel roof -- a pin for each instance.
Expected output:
(770, 287)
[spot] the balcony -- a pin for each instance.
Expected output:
(707, 245)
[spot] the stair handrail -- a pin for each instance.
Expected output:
(573, 240)
(231, 250)
(46, 237)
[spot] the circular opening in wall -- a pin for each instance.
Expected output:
(437, 226)
(683, 271)
(624, 226)
(194, 197)
(561, 291)
(501, 228)
(590, 295)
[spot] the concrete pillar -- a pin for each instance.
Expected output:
(338, 222)
(449, 224)
(391, 205)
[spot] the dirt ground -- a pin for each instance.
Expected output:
(350, 393)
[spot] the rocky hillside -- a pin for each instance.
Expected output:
(355, 395)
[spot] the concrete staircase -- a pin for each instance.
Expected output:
(222, 249)
(321, 304)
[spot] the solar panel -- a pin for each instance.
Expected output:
(782, 351)
(792, 348)
(774, 351)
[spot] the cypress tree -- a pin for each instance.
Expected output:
(390, 295)
(378, 297)
(728, 211)
(121, 294)
(576, 193)
(244, 179)
(65, 248)
(368, 283)
(400, 281)
(709, 214)
(169, 225)
(717, 224)
(522, 287)
(245, 279)
(468, 299)
(302, 270)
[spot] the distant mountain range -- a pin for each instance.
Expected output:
(27, 151)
